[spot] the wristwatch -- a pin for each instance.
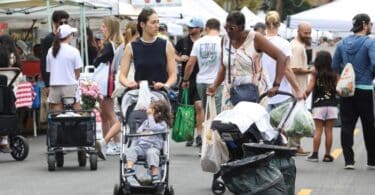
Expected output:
(276, 84)
(184, 81)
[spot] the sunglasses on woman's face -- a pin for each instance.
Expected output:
(63, 22)
(231, 27)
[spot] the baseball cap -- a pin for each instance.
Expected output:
(358, 21)
(195, 22)
(66, 30)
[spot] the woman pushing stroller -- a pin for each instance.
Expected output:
(159, 119)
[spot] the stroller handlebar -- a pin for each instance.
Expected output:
(263, 95)
(147, 134)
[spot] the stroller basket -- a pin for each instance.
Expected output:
(282, 160)
(74, 131)
(8, 123)
(253, 175)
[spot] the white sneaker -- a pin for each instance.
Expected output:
(101, 148)
(349, 167)
(114, 149)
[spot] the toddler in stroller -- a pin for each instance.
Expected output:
(158, 120)
(144, 162)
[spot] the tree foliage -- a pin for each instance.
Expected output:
(284, 7)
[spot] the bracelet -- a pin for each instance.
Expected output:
(183, 80)
(276, 84)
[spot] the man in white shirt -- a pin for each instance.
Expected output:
(300, 68)
(207, 51)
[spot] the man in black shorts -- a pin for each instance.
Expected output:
(183, 49)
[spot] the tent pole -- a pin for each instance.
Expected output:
(49, 16)
(86, 62)
(81, 28)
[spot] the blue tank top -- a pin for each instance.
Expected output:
(150, 60)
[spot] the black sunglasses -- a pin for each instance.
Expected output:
(191, 27)
(231, 27)
(63, 22)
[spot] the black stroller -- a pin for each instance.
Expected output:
(71, 129)
(131, 120)
(19, 147)
(245, 148)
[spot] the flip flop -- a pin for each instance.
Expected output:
(327, 158)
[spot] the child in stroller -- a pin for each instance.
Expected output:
(144, 158)
(158, 120)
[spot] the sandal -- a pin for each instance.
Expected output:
(328, 158)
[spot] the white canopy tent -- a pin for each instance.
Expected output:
(336, 16)
(205, 9)
(251, 18)
(17, 11)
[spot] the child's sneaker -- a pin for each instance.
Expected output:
(155, 179)
(101, 148)
(129, 172)
(313, 157)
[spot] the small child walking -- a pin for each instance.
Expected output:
(322, 84)
(159, 119)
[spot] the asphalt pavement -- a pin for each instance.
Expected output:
(31, 177)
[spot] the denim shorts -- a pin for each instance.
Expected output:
(325, 112)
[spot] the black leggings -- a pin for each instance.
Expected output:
(360, 105)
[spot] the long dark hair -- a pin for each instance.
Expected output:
(162, 112)
(57, 44)
(7, 42)
(143, 17)
(325, 76)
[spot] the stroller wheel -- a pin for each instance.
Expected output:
(51, 162)
(117, 190)
(20, 148)
(81, 158)
(218, 187)
(59, 158)
(169, 191)
(93, 162)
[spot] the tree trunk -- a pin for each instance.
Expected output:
(279, 6)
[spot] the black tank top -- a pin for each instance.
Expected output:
(150, 60)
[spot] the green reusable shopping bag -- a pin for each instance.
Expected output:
(183, 127)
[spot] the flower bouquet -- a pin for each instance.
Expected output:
(90, 93)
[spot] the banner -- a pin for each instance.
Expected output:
(142, 3)
(3, 27)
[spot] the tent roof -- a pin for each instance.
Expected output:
(250, 17)
(335, 16)
(205, 9)
(34, 9)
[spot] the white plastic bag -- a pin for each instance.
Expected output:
(214, 150)
(300, 123)
(144, 96)
(346, 84)
(100, 76)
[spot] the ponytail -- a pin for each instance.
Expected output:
(56, 45)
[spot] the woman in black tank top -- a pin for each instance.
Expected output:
(153, 57)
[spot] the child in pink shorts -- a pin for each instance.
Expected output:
(322, 84)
